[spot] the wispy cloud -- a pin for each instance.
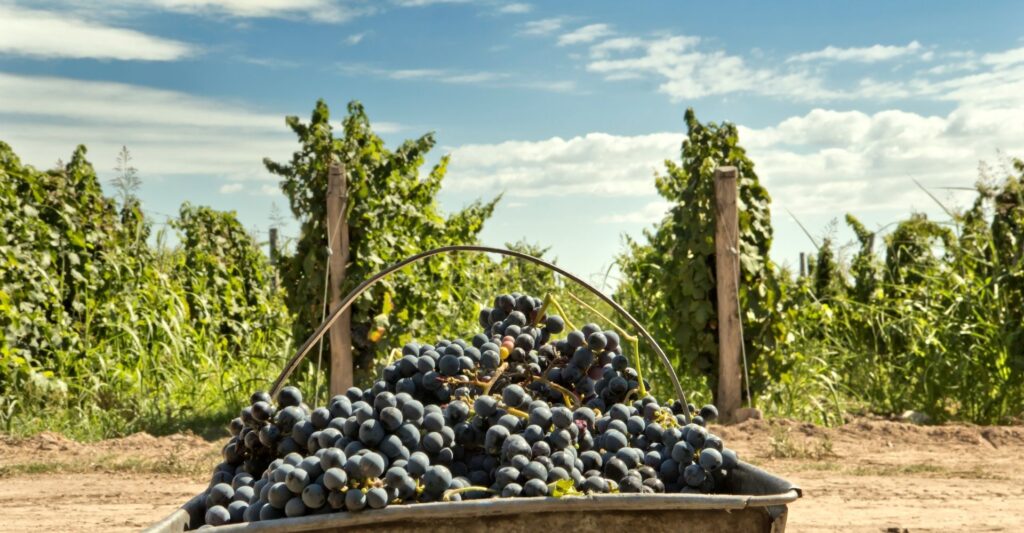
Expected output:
(994, 79)
(867, 54)
(169, 132)
(687, 71)
(231, 188)
(824, 161)
(830, 161)
(541, 26)
(424, 3)
(617, 45)
(687, 68)
(331, 11)
(461, 77)
(515, 8)
(324, 11)
(356, 38)
(586, 34)
(270, 62)
(1004, 59)
(437, 75)
(51, 34)
(597, 164)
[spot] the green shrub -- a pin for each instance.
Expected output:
(102, 333)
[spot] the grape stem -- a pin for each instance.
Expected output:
(625, 335)
(561, 311)
(543, 309)
(566, 393)
(639, 368)
(494, 379)
(516, 412)
(451, 492)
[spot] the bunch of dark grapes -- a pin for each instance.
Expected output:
(510, 414)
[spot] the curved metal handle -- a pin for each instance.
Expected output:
(347, 301)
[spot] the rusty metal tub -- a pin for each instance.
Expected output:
(756, 501)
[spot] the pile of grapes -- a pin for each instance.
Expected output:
(513, 413)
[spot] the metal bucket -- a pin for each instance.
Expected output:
(756, 502)
(752, 500)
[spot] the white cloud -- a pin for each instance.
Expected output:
(835, 161)
(593, 164)
(541, 26)
(867, 54)
(51, 34)
(586, 34)
(515, 8)
(1002, 59)
(270, 62)
(169, 133)
(331, 11)
(461, 77)
(356, 38)
(619, 44)
(327, 11)
(824, 162)
(651, 212)
(687, 69)
(557, 86)
(231, 188)
(424, 3)
(949, 68)
(440, 75)
(688, 72)
(995, 79)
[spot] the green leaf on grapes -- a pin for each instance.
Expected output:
(563, 487)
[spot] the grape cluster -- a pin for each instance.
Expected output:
(510, 414)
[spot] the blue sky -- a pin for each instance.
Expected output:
(567, 107)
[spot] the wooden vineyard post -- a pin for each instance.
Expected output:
(273, 257)
(803, 264)
(340, 334)
(727, 276)
(273, 245)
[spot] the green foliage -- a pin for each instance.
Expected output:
(527, 277)
(225, 275)
(670, 280)
(392, 213)
(100, 333)
(934, 325)
(910, 250)
(828, 280)
(864, 268)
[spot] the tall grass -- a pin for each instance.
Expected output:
(934, 323)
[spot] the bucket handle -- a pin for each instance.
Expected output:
(347, 301)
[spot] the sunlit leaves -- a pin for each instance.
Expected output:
(670, 279)
(392, 213)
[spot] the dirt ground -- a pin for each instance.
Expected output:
(869, 475)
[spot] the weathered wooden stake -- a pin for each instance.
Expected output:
(340, 334)
(730, 378)
(273, 257)
(273, 245)
(803, 264)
